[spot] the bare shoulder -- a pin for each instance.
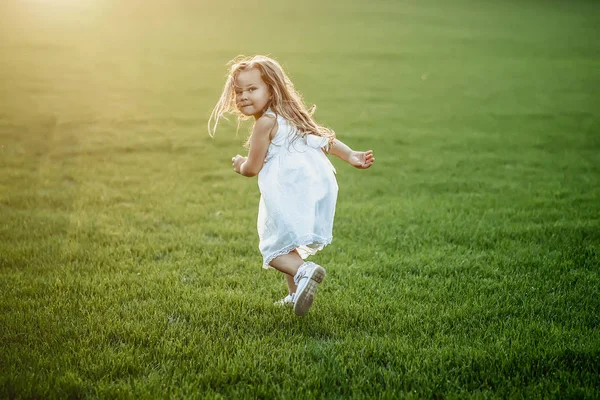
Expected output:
(266, 125)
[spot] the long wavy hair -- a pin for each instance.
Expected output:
(285, 101)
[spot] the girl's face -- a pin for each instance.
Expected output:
(252, 94)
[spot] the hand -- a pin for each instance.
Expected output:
(361, 159)
(237, 162)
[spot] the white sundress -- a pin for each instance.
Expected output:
(298, 194)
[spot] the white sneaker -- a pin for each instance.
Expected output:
(307, 281)
(286, 301)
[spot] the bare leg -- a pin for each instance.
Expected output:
(290, 279)
(288, 263)
(291, 284)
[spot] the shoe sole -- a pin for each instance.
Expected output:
(306, 298)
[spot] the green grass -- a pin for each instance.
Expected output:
(465, 263)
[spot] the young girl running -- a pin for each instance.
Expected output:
(287, 150)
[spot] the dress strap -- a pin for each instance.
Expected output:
(270, 112)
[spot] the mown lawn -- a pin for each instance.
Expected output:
(465, 262)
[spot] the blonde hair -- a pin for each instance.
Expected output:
(285, 101)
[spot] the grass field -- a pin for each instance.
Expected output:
(465, 262)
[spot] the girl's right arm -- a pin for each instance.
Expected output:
(358, 159)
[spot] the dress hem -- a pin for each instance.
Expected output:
(311, 239)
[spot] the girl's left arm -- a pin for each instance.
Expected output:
(259, 145)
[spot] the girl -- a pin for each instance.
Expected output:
(287, 150)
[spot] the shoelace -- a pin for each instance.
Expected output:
(302, 271)
(299, 276)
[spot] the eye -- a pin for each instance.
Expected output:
(252, 89)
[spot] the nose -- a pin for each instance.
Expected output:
(244, 95)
